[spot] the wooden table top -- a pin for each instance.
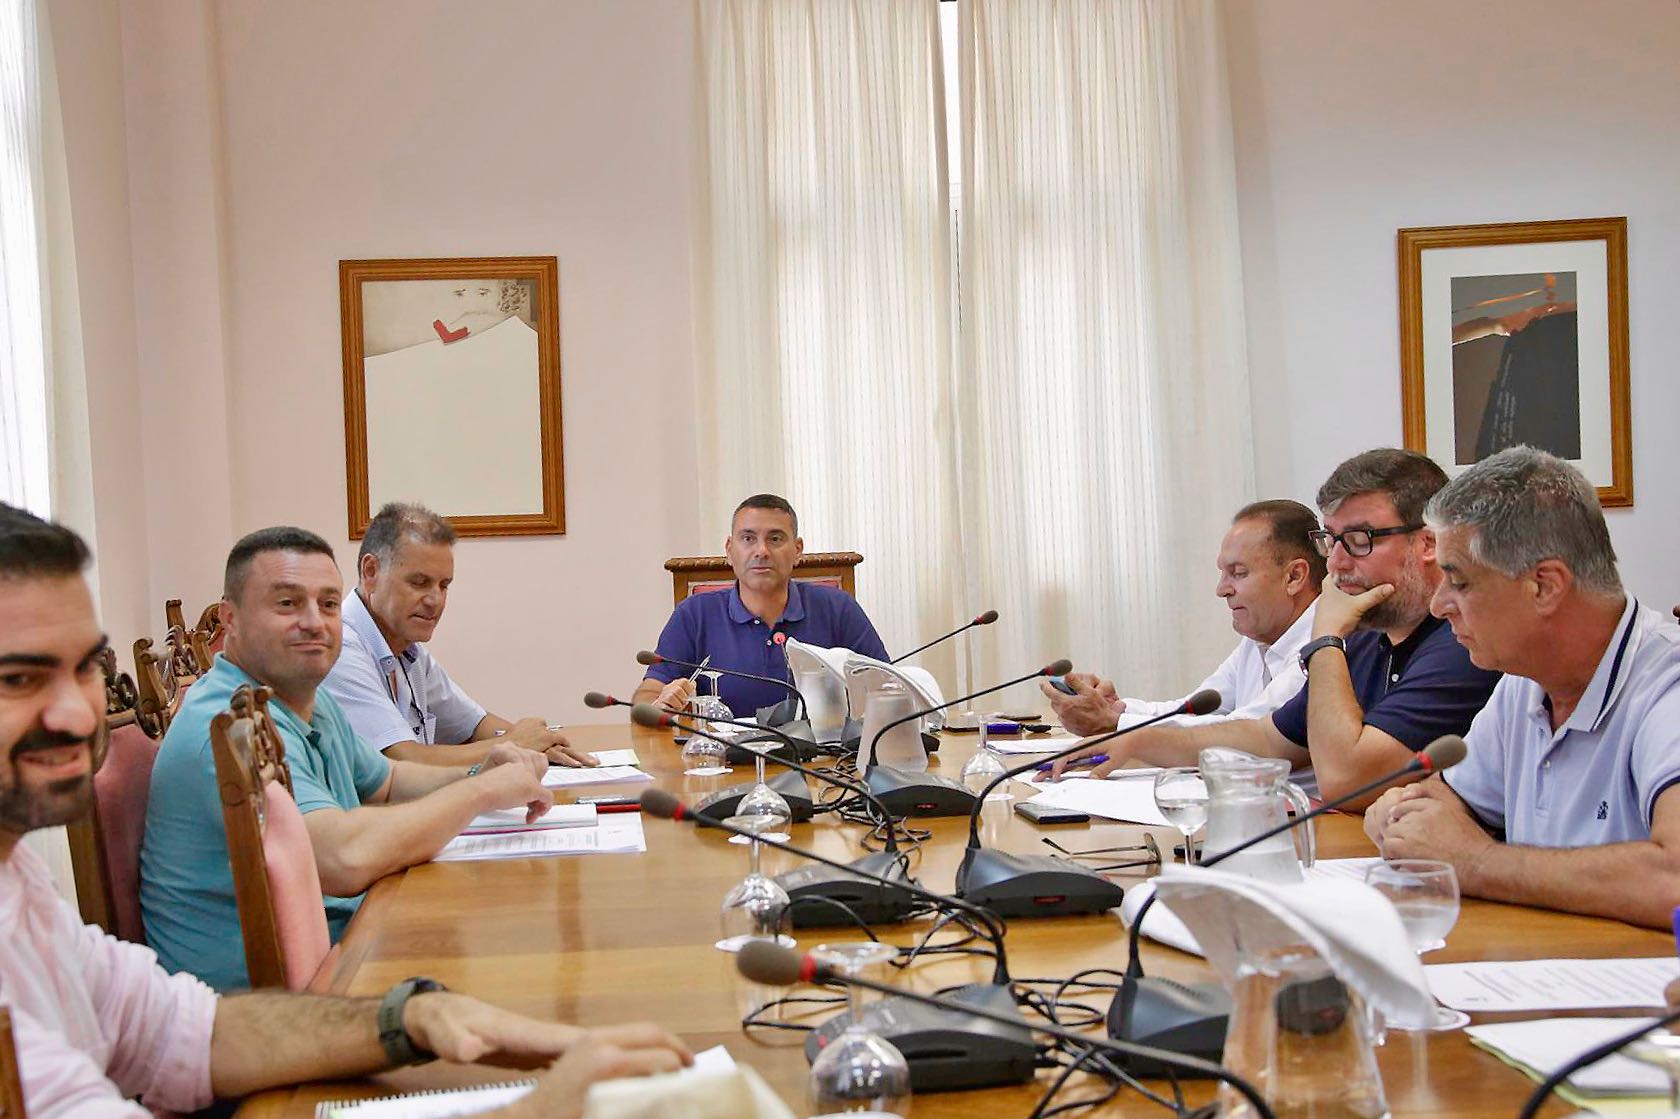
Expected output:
(600, 939)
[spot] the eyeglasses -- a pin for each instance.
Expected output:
(1355, 541)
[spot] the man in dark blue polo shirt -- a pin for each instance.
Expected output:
(737, 627)
(1384, 677)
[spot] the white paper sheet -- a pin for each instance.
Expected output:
(564, 777)
(1129, 800)
(513, 819)
(1546, 1044)
(1553, 984)
(617, 833)
(616, 757)
(1047, 744)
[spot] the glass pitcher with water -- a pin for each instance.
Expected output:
(1302, 1037)
(1246, 796)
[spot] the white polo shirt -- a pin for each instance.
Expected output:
(1252, 682)
(396, 697)
(1597, 779)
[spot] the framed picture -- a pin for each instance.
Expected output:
(452, 391)
(1518, 333)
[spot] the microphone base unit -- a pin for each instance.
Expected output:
(854, 742)
(1032, 885)
(905, 793)
(1186, 1018)
(947, 1051)
(720, 805)
(875, 903)
(781, 752)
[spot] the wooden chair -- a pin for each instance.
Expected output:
(275, 883)
(208, 637)
(105, 844)
(162, 682)
(11, 1082)
(702, 574)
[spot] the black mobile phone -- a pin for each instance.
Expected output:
(1061, 685)
(1049, 814)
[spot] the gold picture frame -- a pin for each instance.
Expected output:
(1518, 332)
(452, 391)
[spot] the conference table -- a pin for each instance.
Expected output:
(604, 938)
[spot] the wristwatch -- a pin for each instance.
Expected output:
(1330, 641)
(393, 1035)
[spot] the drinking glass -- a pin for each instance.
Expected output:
(859, 1071)
(982, 766)
(702, 756)
(764, 801)
(1182, 797)
(757, 908)
(1425, 894)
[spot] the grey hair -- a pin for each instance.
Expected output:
(1525, 506)
(397, 521)
(1406, 478)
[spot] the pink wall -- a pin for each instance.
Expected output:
(266, 142)
(1355, 120)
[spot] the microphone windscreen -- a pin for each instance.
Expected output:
(646, 657)
(1057, 668)
(780, 639)
(1445, 752)
(1204, 702)
(986, 619)
(648, 715)
(664, 805)
(598, 699)
(765, 961)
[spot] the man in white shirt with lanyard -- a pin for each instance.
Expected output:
(1567, 799)
(395, 695)
(1269, 577)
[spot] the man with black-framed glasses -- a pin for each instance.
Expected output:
(1384, 677)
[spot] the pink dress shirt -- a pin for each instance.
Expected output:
(95, 1020)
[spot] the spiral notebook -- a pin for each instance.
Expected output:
(444, 1104)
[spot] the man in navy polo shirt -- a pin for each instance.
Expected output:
(1384, 677)
(737, 627)
(1567, 799)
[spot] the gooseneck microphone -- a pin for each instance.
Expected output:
(667, 806)
(984, 619)
(602, 699)
(1590, 1057)
(764, 961)
(1204, 702)
(650, 658)
(1198, 1011)
(650, 715)
(1054, 668)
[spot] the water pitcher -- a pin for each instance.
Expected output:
(1246, 796)
(1302, 1037)
(901, 747)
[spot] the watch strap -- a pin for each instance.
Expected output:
(399, 1047)
(1329, 641)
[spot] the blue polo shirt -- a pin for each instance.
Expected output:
(1415, 691)
(718, 624)
(186, 884)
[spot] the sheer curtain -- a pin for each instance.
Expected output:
(1103, 391)
(25, 442)
(824, 289)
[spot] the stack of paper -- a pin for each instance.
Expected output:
(616, 834)
(564, 777)
(513, 819)
(1516, 985)
(1540, 1047)
(1129, 798)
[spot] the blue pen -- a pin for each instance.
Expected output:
(1094, 759)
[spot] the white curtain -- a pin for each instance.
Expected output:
(1103, 393)
(25, 442)
(824, 290)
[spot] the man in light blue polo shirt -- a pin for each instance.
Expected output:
(737, 627)
(403, 702)
(1567, 797)
(366, 815)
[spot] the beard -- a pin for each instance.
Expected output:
(24, 808)
(1408, 605)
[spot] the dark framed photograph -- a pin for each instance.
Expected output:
(1517, 333)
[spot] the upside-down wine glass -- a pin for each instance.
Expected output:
(859, 1071)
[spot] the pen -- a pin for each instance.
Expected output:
(1094, 759)
(701, 667)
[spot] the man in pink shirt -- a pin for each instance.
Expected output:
(97, 1024)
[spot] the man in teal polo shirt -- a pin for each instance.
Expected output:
(367, 816)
